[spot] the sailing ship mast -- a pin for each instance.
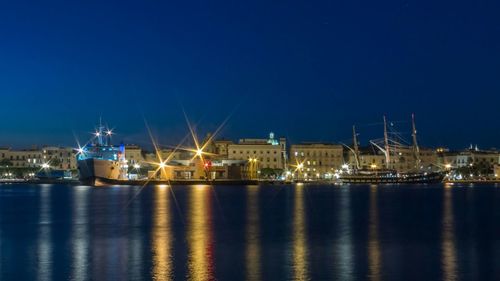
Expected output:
(386, 144)
(416, 149)
(356, 148)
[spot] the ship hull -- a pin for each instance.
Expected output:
(92, 169)
(419, 178)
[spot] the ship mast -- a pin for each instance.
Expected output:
(386, 144)
(356, 148)
(416, 149)
(99, 133)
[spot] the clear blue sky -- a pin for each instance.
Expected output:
(306, 70)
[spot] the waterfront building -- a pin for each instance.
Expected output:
(317, 160)
(404, 159)
(470, 157)
(134, 154)
(27, 158)
(369, 158)
(222, 148)
(267, 153)
(59, 158)
(28, 162)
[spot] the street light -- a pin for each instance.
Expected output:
(253, 167)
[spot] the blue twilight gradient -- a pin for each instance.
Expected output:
(306, 69)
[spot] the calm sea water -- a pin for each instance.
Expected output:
(302, 232)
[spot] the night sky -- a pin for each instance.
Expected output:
(307, 70)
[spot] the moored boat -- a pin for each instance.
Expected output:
(391, 177)
(417, 175)
(100, 159)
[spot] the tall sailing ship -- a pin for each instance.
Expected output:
(99, 159)
(389, 174)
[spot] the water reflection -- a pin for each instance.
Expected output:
(374, 255)
(344, 253)
(79, 233)
(162, 239)
(44, 250)
(300, 247)
(253, 270)
(448, 251)
(109, 244)
(136, 255)
(199, 235)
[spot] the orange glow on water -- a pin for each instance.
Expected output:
(199, 235)
(162, 236)
(300, 247)
(448, 247)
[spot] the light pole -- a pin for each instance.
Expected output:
(252, 167)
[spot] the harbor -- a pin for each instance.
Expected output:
(249, 140)
(214, 160)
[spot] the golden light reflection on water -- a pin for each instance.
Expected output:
(199, 235)
(300, 247)
(374, 254)
(448, 251)
(253, 270)
(162, 235)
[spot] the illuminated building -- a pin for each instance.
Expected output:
(270, 153)
(60, 157)
(472, 156)
(319, 160)
(28, 158)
